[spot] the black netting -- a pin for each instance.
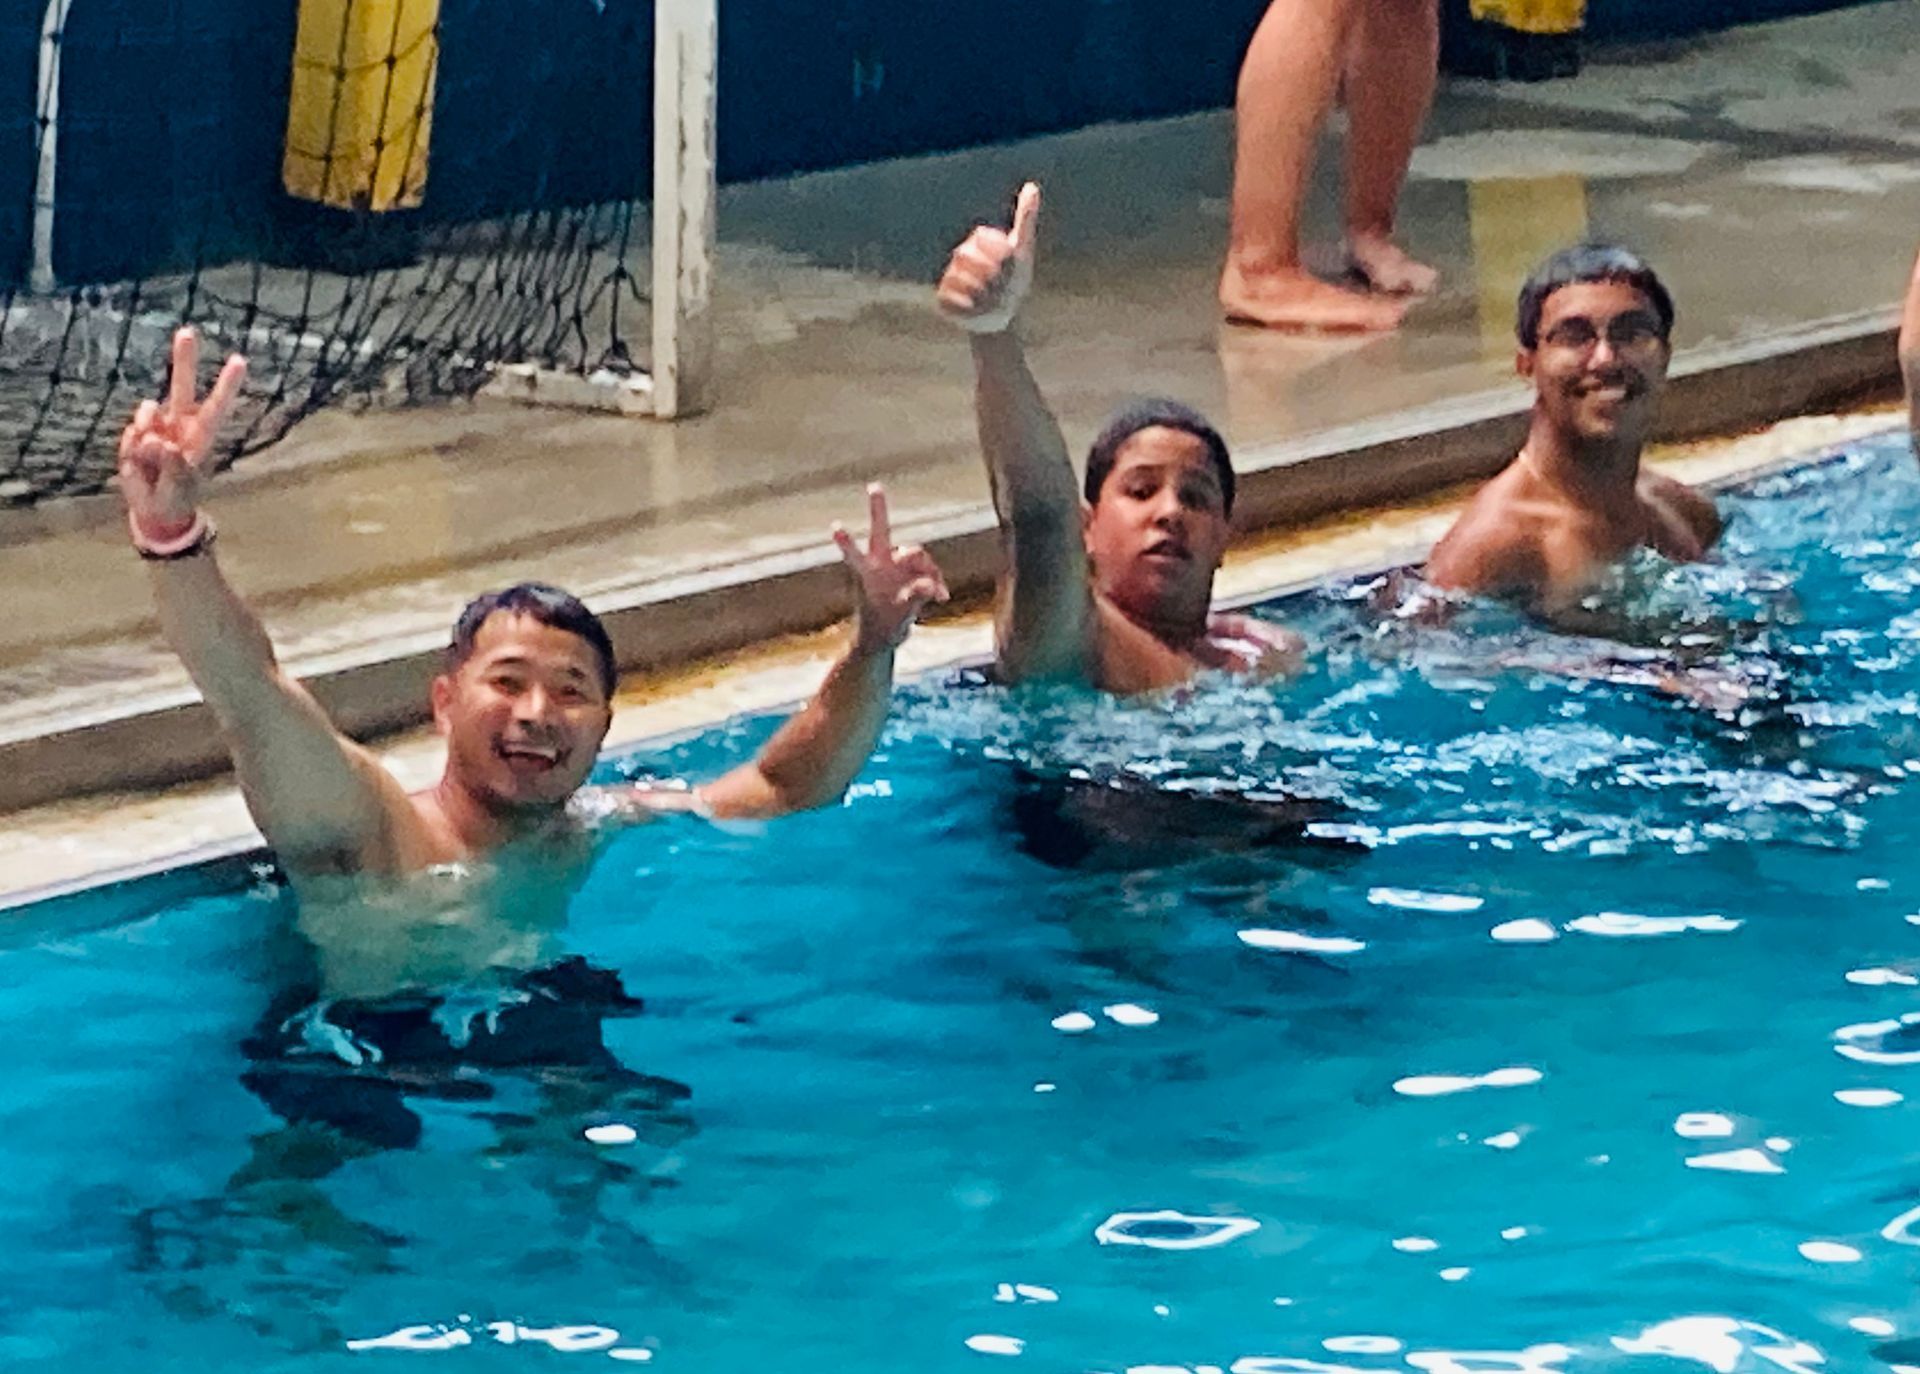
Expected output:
(428, 191)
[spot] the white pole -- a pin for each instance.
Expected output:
(685, 47)
(47, 111)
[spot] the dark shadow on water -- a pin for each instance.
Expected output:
(1119, 822)
(277, 1253)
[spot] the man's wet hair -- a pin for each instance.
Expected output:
(1589, 262)
(1135, 416)
(538, 601)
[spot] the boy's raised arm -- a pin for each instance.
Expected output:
(1045, 620)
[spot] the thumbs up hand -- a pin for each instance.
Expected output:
(989, 275)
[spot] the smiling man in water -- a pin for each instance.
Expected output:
(524, 702)
(1594, 328)
(431, 920)
(1118, 592)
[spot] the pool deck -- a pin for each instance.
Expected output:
(1772, 173)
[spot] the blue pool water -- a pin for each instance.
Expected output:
(1534, 1051)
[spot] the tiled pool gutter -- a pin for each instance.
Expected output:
(378, 688)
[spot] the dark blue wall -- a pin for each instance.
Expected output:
(172, 114)
(838, 81)
(19, 45)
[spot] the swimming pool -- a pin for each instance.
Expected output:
(1566, 1030)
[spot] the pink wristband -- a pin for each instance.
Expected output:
(190, 541)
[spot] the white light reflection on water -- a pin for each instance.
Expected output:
(1293, 942)
(1624, 924)
(1882, 978)
(1408, 899)
(1702, 1125)
(1869, 1097)
(1024, 1292)
(1535, 1359)
(1722, 1344)
(566, 1340)
(1900, 1229)
(1362, 1345)
(1864, 1043)
(1738, 1162)
(1441, 1084)
(1170, 1230)
(1373, 837)
(987, 1344)
(423, 1337)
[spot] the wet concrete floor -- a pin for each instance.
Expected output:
(1772, 173)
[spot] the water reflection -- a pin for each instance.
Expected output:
(434, 1337)
(1722, 1344)
(1171, 1230)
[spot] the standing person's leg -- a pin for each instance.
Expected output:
(1287, 84)
(1392, 66)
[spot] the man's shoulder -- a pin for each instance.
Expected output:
(1670, 497)
(1497, 539)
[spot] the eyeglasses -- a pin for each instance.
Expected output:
(1635, 331)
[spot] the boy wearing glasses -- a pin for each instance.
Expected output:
(1594, 327)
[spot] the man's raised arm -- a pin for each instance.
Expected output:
(1044, 625)
(811, 760)
(319, 799)
(1910, 351)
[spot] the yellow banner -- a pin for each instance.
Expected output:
(1532, 16)
(362, 106)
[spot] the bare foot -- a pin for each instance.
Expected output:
(1295, 299)
(1384, 266)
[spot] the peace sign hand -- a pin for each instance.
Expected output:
(164, 448)
(989, 275)
(895, 585)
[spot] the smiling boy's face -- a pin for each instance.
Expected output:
(1158, 530)
(1600, 363)
(524, 714)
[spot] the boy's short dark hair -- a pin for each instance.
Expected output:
(1589, 262)
(548, 605)
(1135, 416)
